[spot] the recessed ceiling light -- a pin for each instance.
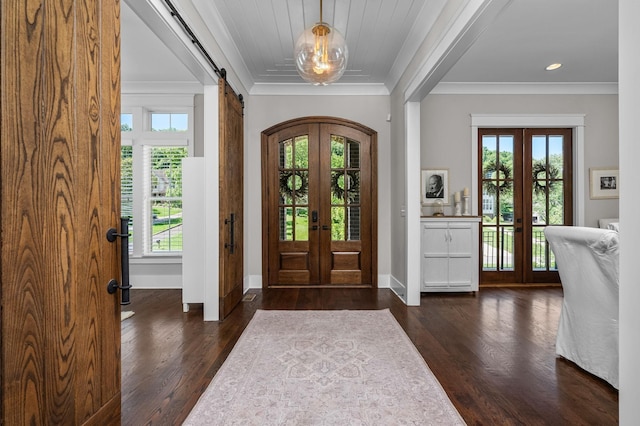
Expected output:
(553, 67)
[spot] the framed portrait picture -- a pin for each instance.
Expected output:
(435, 186)
(604, 183)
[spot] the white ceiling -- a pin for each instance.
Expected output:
(260, 35)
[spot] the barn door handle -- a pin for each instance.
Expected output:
(113, 285)
(231, 245)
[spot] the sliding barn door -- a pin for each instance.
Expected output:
(319, 204)
(231, 198)
(60, 193)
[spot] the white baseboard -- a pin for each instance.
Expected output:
(252, 282)
(399, 289)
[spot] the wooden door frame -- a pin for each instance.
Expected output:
(523, 273)
(265, 186)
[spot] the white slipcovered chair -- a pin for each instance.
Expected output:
(587, 260)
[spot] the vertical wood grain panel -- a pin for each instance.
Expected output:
(23, 263)
(61, 218)
(110, 179)
(88, 390)
(231, 197)
(59, 155)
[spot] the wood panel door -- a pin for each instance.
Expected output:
(319, 204)
(231, 198)
(60, 193)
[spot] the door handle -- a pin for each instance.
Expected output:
(325, 227)
(314, 216)
(112, 285)
(232, 244)
(314, 228)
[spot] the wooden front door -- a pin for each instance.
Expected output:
(60, 193)
(319, 203)
(526, 184)
(231, 198)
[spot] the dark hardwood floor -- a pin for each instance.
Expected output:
(493, 353)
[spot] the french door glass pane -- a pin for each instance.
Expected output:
(547, 195)
(294, 189)
(497, 202)
(345, 189)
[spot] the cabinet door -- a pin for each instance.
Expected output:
(460, 254)
(435, 239)
(460, 239)
(435, 255)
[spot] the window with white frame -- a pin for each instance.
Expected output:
(154, 142)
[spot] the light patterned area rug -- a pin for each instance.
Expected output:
(126, 314)
(324, 368)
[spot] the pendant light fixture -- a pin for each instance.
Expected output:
(321, 54)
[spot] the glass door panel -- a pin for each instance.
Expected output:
(498, 203)
(294, 189)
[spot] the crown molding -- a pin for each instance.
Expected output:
(306, 89)
(522, 88)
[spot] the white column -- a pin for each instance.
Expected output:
(413, 207)
(212, 199)
(629, 110)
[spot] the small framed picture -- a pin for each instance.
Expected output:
(435, 186)
(604, 183)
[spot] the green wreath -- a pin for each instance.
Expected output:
(548, 180)
(490, 183)
(340, 192)
(293, 182)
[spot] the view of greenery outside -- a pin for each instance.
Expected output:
(542, 216)
(126, 188)
(167, 220)
(166, 199)
(164, 208)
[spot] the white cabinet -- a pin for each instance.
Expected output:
(449, 247)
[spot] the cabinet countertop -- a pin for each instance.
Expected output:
(474, 218)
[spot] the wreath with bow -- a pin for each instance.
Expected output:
(352, 186)
(544, 177)
(293, 182)
(503, 175)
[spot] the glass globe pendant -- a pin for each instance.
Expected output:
(321, 54)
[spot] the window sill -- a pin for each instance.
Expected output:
(156, 259)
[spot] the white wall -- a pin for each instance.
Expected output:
(446, 135)
(629, 87)
(262, 112)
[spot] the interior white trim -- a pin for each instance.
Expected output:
(575, 121)
(419, 32)
(523, 88)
